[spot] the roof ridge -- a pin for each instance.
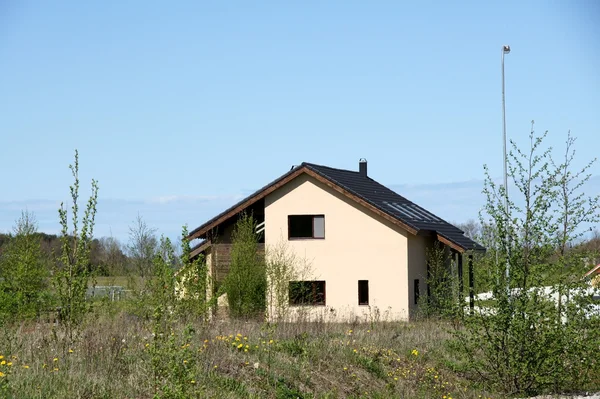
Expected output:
(328, 167)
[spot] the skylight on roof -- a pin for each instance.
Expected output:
(413, 212)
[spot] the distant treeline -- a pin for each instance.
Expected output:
(108, 257)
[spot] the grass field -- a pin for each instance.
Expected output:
(115, 356)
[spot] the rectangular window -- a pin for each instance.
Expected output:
(306, 226)
(363, 292)
(307, 293)
(416, 291)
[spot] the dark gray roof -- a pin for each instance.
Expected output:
(394, 204)
(378, 196)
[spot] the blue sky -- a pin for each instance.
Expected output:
(181, 108)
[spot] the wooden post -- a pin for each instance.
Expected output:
(461, 288)
(471, 284)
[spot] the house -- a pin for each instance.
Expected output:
(366, 244)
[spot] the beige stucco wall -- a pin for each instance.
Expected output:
(417, 269)
(358, 245)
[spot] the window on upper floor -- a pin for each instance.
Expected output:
(306, 226)
(307, 293)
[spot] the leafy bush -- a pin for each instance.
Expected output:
(246, 282)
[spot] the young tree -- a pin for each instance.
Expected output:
(142, 247)
(72, 271)
(282, 266)
(23, 273)
(523, 342)
(246, 282)
(191, 282)
(442, 287)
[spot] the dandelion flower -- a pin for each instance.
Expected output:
(25, 366)
(55, 359)
(9, 364)
(415, 352)
(192, 381)
(3, 362)
(2, 374)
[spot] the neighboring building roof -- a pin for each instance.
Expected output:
(594, 270)
(367, 192)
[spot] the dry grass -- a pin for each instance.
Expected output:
(112, 358)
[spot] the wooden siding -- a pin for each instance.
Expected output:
(222, 259)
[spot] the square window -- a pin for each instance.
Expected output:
(306, 226)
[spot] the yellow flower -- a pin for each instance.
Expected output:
(55, 359)
(192, 381)
(415, 352)
(55, 368)
(3, 362)
(2, 374)
(1, 357)
(70, 350)
(185, 362)
(25, 366)
(9, 364)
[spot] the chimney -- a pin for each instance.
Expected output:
(362, 167)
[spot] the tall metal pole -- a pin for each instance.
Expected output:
(505, 50)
